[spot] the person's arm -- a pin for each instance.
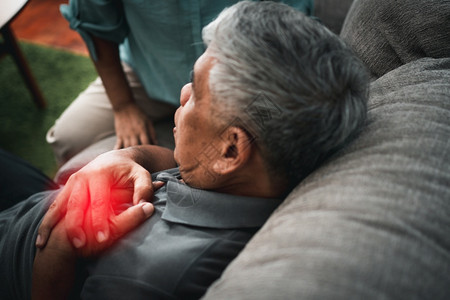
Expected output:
(126, 169)
(54, 266)
(131, 124)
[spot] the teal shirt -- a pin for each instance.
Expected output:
(160, 40)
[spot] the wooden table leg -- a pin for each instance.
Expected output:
(12, 48)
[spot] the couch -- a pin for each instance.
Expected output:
(374, 221)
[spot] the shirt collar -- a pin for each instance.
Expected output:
(190, 206)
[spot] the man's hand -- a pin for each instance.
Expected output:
(54, 266)
(110, 183)
(133, 127)
(120, 222)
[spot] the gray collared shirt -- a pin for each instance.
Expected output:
(183, 248)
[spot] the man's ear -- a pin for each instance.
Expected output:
(235, 149)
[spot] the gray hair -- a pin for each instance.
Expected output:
(313, 86)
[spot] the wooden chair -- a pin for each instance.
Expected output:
(9, 9)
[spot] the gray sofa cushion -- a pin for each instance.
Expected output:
(332, 13)
(372, 223)
(84, 157)
(388, 34)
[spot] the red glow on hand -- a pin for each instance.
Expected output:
(91, 224)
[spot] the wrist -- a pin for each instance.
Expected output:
(119, 106)
(153, 158)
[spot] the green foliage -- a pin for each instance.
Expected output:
(61, 76)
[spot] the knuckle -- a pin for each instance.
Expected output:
(52, 206)
(96, 204)
(98, 222)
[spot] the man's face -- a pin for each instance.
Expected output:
(195, 130)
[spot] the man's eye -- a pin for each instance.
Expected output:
(191, 76)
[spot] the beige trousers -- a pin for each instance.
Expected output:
(89, 119)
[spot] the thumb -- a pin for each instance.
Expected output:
(156, 185)
(143, 189)
(54, 213)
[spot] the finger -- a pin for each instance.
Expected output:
(100, 193)
(131, 218)
(129, 141)
(75, 216)
(143, 188)
(157, 185)
(54, 213)
(119, 144)
(152, 134)
(143, 137)
(134, 140)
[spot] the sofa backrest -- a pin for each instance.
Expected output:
(332, 13)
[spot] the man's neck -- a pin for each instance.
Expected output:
(252, 180)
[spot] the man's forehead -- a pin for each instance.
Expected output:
(194, 81)
(200, 74)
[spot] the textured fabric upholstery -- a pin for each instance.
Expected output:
(332, 13)
(82, 158)
(388, 34)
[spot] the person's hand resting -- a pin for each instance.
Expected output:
(133, 127)
(54, 266)
(110, 183)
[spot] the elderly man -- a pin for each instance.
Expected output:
(273, 96)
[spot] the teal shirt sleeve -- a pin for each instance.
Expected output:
(101, 18)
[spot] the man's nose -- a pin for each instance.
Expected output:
(185, 93)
